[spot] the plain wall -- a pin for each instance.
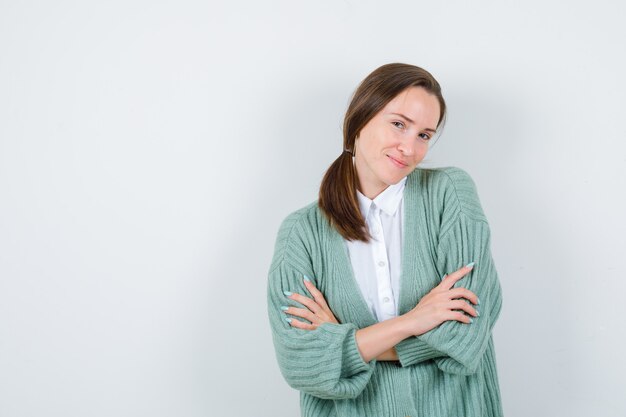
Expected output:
(149, 151)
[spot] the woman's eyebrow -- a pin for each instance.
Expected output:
(411, 121)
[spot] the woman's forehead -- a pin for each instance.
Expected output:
(415, 104)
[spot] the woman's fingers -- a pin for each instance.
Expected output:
(317, 294)
(463, 305)
(459, 316)
(444, 302)
(461, 292)
(305, 301)
(318, 310)
(304, 313)
(327, 314)
(452, 278)
(301, 325)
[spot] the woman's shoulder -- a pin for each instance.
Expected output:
(453, 188)
(300, 217)
(306, 221)
(444, 177)
(298, 233)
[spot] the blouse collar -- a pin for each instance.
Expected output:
(388, 200)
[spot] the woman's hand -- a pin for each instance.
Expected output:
(318, 311)
(439, 304)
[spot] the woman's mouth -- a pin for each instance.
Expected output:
(397, 163)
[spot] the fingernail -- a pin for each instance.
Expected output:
(284, 308)
(288, 320)
(471, 320)
(307, 278)
(444, 276)
(477, 300)
(469, 265)
(477, 313)
(287, 293)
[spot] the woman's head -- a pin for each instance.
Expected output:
(395, 140)
(392, 115)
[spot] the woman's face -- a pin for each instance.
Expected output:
(395, 140)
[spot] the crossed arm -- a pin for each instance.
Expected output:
(456, 346)
(317, 312)
(378, 341)
(335, 360)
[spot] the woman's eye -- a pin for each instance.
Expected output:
(425, 136)
(398, 124)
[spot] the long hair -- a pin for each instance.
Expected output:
(337, 196)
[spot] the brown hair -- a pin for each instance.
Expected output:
(337, 196)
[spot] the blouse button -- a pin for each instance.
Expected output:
(381, 263)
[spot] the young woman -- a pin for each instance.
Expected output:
(382, 294)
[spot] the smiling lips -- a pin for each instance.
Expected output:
(397, 163)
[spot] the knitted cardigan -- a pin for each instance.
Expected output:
(449, 371)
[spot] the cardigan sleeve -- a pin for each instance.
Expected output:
(324, 362)
(466, 239)
(414, 350)
(464, 343)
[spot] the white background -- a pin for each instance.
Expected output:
(149, 151)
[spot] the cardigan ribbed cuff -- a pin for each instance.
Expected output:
(353, 361)
(413, 350)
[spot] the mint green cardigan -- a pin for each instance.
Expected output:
(449, 371)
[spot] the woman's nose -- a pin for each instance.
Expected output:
(407, 147)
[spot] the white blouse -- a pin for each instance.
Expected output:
(377, 264)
